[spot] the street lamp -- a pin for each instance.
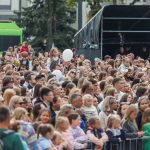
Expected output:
(79, 14)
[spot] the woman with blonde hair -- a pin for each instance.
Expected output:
(26, 130)
(81, 81)
(129, 125)
(107, 108)
(15, 101)
(71, 75)
(7, 95)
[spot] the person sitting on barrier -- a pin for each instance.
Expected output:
(146, 127)
(96, 134)
(129, 125)
(114, 132)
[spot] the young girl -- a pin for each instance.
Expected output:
(62, 125)
(114, 131)
(53, 58)
(76, 131)
(88, 109)
(45, 134)
(58, 141)
(45, 116)
(95, 134)
(143, 103)
(146, 127)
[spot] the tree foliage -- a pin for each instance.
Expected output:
(34, 21)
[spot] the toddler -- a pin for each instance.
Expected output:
(88, 108)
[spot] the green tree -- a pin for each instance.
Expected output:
(48, 20)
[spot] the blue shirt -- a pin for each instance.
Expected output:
(45, 143)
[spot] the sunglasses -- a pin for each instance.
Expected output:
(73, 72)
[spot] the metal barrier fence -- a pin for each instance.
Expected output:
(128, 144)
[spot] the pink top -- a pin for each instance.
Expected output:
(71, 142)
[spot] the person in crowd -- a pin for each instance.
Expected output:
(88, 109)
(129, 125)
(44, 116)
(46, 97)
(9, 139)
(114, 132)
(7, 95)
(96, 134)
(118, 84)
(143, 103)
(77, 132)
(26, 130)
(53, 58)
(58, 141)
(45, 135)
(15, 101)
(55, 108)
(122, 109)
(108, 108)
(63, 126)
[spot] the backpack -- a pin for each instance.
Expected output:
(3, 135)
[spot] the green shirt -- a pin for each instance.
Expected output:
(11, 141)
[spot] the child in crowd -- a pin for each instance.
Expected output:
(58, 141)
(63, 126)
(88, 108)
(114, 131)
(45, 135)
(96, 134)
(77, 132)
(45, 116)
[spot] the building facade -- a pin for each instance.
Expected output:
(8, 7)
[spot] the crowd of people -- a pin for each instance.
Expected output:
(47, 103)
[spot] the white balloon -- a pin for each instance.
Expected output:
(67, 55)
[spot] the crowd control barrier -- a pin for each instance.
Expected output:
(128, 144)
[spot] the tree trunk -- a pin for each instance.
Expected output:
(50, 24)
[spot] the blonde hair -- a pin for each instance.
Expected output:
(112, 119)
(132, 108)
(19, 113)
(14, 99)
(7, 95)
(57, 135)
(106, 103)
(81, 82)
(85, 97)
(60, 121)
